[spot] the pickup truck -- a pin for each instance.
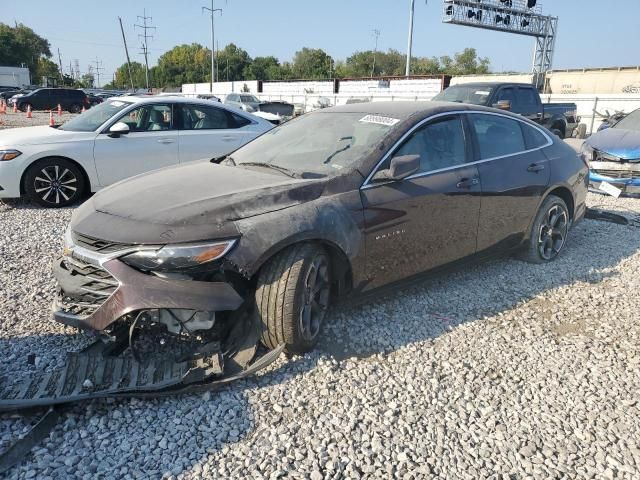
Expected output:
(521, 98)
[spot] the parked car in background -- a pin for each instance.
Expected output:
(94, 99)
(244, 101)
(69, 99)
(7, 94)
(117, 139)
(613, 155)
(337, 202)
(521, 98)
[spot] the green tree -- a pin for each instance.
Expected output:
(466, 62)
(46, 68)
(122, 82)
(312, 63)
(263, 68)
(232, 62)
(21, 45)
(183, 64)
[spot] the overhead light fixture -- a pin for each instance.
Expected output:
(449, 10)
(524, 23)
(506, 19)
(508, 3)
(531, 3)
(477, 15)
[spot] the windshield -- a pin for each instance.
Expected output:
(465, 94)
(317, 143)
(249, 99)
(630, 122)
(90, 120)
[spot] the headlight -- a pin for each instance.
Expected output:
(587, 153)
(178, 257)
(9, 154)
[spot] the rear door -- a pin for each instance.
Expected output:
(152, 143)
(430, 218)
(528, 104)
(514, 173)
(208, 131)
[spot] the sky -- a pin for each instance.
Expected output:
(591, 33)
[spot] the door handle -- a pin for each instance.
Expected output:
(535, 168)
(228, 138)
(166, 141)
(468, 182)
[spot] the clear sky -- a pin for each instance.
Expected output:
(591, 33)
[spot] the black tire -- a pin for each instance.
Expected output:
(75, 108)
(549, 232)
(558, 132)
(54, 183)
(25, 107)
(292, 297)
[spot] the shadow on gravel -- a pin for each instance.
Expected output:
(146, 439)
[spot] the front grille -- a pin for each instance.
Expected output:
(96, 285)
(618, 173)
(102, 246)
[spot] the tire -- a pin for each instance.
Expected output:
(54, 183)
(25, 107)
(75, 108)
(559, 133)
(548, 228)
(288, 313)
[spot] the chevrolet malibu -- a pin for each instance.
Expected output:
(117, 139)
(338, 202)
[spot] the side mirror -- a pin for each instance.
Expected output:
(503, 105)
(401, 167)
(118, 129)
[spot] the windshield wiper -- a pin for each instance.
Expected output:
(280, 169)
(340, 150)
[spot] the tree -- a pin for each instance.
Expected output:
(465, 63)
(122, 82)
(183, 64)
(312, 63)
(46, 69)
(21, 45)
(263, 68)
(232, 62)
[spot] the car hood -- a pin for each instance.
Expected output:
(38, 135)
(196, 201)
(618, 142)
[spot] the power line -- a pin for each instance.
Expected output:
(376, 34)
(213, 11)
(145, 40)
(98, 69)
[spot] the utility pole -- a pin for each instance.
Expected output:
(410, 40)
(212, 11)
(126, 50)
(376, 33)
(145, 38)
(98, 68)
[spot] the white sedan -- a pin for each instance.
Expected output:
(120, 138)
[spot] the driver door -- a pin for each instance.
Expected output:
(151, 143)
(430, 218)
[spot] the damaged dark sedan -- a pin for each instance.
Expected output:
(342, 201)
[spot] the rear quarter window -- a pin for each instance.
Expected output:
(533, 137)
(497, 136)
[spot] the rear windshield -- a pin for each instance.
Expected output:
(465, 94)
(90, 120)
(630, 122)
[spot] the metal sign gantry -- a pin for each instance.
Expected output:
(521, 17)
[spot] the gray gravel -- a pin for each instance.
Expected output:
(502, 370)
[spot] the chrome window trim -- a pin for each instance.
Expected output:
(366, 185)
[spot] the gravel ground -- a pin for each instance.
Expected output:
(501, 370)
(19, 119)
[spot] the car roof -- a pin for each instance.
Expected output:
(492, 84)
(402, 110)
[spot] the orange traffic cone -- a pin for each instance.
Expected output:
(83, 109)
(51, 122)
(15, 109)
(29, 114)
(3, 107)
(59, 110)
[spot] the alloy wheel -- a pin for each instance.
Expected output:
(553, 232)
(316, 298)
(55, 184)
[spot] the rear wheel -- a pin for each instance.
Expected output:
(549, 232)
(75, 108)
(292, 297)
(54, 183)
(25, 107)
(558, 132)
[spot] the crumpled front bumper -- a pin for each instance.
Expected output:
(94, 292)
(625, 176)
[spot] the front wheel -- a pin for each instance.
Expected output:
(549, 232)
(292, 297)
(25, 107)
(75, 108)
(54, 183)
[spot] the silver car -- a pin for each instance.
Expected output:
(244, 101)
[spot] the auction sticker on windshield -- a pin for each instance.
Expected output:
(380, 120)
